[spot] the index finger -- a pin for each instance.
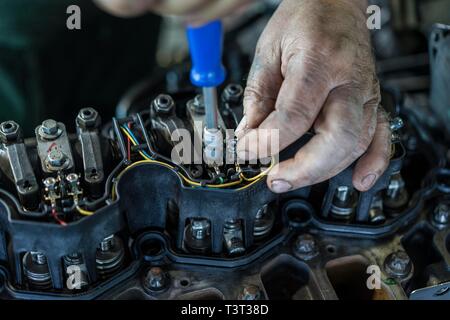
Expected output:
(302, 94)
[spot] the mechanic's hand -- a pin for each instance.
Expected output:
(313, 68)
(196, 11)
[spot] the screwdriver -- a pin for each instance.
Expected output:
(207, 72)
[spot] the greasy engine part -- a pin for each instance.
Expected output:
(161, 229)
(110, 212)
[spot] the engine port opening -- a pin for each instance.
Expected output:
(286, 278)
(348, 276)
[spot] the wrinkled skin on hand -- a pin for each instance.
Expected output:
(313, 69)
(193, 11)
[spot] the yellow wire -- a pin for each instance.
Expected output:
(84, 212)
(187, 180)
(259, 176)
(148, 160)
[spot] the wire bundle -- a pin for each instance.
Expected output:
(149, 160)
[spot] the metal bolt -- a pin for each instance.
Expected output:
(8, 126)
(50, 183)
(305, 247)
(72, 178)
(233, 92)
(200, 228)
(398, 264)
(163, 104)
(38, 257)
(88, 118)
(396, 124)
(73, 259)
(9, 131)
(198, 100)
(441, 214)
(233, 237)
(250, 292)
(396, 184)
(343, 193)
(264, 221)
(87, 113)
(49, 130)
(376, 214)
(156, 279)
(344, 202)
(56, 158)
(107, 243)
(199, 104)
(50, 127)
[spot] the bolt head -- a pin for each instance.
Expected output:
(441, 214)
(50, 127)
(198, 104)
(163, 104)
(9, 131)
(38, 257)
(49, 130)
(50, 183)
(343, 193)
(72, 178)
(396, 124)
(88, 118)
(200, 228)
(56, 158)
(251, 293)
(306, 247)
(398, 264)
(233, 93)
(156, 279)
(107, 243)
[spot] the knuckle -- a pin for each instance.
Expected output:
(353, 140)
(296, 115)
(253, 96)
(373, 92)
(361, 147)
(383, 118)
(267, 50)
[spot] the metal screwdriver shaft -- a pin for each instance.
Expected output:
(205, 45)
(211, 108)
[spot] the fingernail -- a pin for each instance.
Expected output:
(280, 186)
(368, 181)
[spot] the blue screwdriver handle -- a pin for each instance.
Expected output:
(205, 45)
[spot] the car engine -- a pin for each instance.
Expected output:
(99, 208)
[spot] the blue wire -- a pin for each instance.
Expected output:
(135, 140)
(146, 154)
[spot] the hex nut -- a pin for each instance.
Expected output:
(250, 293)
(398, 264)
(233, 93)
(163, 104)
(9, 131)
(49, 130)
(88, 118)
(156, 279)
(305, 247)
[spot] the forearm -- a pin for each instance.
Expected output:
(196, 10)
